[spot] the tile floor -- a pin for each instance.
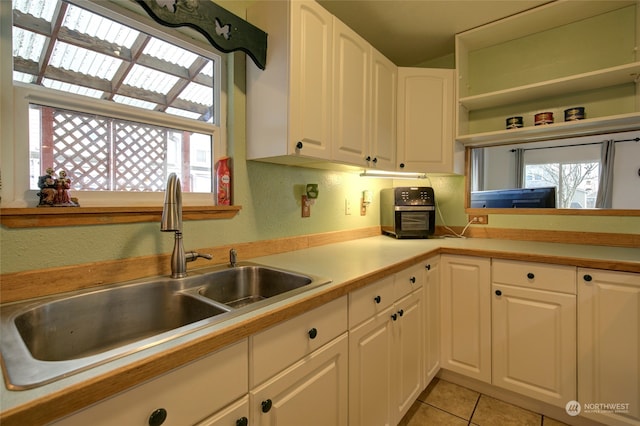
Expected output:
(446, 404)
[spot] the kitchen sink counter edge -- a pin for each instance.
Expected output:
(350, 265)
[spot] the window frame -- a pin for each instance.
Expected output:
(14, 111)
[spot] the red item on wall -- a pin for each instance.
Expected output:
(223, 182)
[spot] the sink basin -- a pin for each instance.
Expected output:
(84, 325)
(43, 340)
(245, 285)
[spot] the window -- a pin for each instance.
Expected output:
(117, 103)
(576, 183)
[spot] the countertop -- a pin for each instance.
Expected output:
(350, 265)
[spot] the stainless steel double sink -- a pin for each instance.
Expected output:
(43, 340)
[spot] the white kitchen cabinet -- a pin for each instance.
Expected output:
(426, 122)
(311, 392)
(236, 414)
(431, 302)
(609, 345)
(351, 95)
(289, 103)
(186, 395)
(385, 352)
(364, 102)
(466, 316)
(534, 330)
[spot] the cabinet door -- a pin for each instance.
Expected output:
(187, 394)
(534, 343)
(466, 316)
(351, 80)
(609, 343)
(370, 364)
(310, 79)
(431, 302)
(237, 414)
(312, 392)
(407, 353)
(425, 120)
(384, 83)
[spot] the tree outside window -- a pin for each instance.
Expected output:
(576, 183)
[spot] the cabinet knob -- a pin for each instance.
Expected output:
(413, 280)
(530, 275)
(498, 293)
(394, 317)
(299, 145)
(402, 165)
(377, 299)
(401, 312)
(313, 333)
(368, 158)
(375, 160)
(158, 417)
(428, 267)
(587, 277)
(266, 405)
(242, 421)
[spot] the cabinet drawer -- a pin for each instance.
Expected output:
(370, 300)
(541, 276)
(283, 344)
(187, 394)
(409, 280)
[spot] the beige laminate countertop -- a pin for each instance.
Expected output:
(350, 265)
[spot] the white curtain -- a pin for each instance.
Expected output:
(605, 186)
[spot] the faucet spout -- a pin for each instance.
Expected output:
(172, 207)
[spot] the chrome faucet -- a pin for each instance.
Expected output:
(172, 221)
(233, 258)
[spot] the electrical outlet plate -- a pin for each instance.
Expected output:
(347, 207)
(479, 219)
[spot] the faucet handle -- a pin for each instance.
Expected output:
(193, 255)
(233, 257)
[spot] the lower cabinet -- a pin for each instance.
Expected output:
(466, 316)
(236, 414)
(534, 330)
(312, 392)
(183, 396)
(609, 346)
(385, 352)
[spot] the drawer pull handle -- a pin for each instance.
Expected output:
(242, 421)
(413, 280)
(158, 417)
(394, 317)
(587, 278)
(401, 312)
(313, 333)
(530, 275)
(377, 299)
(498, 293)
(266, 405)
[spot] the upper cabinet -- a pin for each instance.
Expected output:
(289, 103)
(426, 122)
(538, 61)
(326, 94)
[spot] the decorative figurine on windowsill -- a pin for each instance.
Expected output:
(54, 191)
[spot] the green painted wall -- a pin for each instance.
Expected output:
(270, 199)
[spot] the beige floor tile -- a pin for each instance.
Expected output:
(421, 414)
(548, 421)
(451, 398)
(490, 412)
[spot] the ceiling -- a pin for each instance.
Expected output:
(410, 32)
